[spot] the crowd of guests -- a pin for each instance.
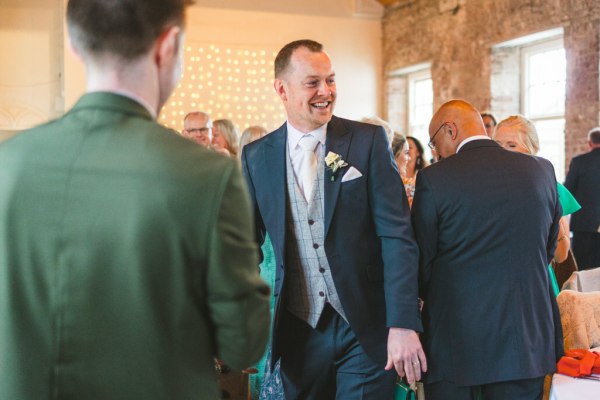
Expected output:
(129, 254)
(515, 133)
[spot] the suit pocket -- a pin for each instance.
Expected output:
(375, 272)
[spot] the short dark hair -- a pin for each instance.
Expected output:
(490, 116)
(123, 28)
(282, 61)
(594, 135)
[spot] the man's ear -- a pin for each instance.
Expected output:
(453, 130)
(167, 46)
(280, 88)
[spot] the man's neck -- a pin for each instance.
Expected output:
(137, 81)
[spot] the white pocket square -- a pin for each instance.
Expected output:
(351, 174)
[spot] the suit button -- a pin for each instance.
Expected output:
(321, 294)
(321, 269)
(311, 222)
(315, 246)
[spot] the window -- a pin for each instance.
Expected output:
(420, 103)
(410, 102)
(544, 69)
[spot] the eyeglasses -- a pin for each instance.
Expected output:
(431, 143)
(200, 131)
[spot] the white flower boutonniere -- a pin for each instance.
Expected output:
(334, 162)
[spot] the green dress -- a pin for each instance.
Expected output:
(569, 205)
(267, 272)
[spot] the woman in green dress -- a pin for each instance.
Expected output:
(517, 133)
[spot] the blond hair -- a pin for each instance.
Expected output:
(230, 133)
(528, 136)
(251, 134)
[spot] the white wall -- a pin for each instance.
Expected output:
(353, 44)
(31, 45)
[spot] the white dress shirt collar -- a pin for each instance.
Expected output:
(470, 139)
(294, 135)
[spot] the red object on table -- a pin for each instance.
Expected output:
(579, 362)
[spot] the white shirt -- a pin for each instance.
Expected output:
(470, 139)
(294, 136)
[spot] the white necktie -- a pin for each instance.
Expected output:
(308, 165)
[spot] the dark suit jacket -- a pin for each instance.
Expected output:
(486, 221)
(583, 180)
(369, 241)
(127, 260)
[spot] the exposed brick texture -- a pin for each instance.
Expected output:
(457, 37)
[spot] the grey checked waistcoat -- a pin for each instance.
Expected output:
(308, 277)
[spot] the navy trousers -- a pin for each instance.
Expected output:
(328, 362)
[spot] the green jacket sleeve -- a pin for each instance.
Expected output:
(238, 299)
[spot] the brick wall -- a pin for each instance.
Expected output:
(457, 37)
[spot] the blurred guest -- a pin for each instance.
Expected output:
(127, 257)
(197, 126)
(417, 157)
(489, 122)
(225, 136)
(251, 134)
(486, 239)
(583, 180)
(416, 162)
(374, 120)
(267, 272)
(400, 150)
(517, 133)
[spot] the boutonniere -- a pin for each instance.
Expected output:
(334, 162)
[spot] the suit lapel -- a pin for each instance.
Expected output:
(275, 173)
(338, 141)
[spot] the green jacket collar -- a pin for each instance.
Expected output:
(111, 101)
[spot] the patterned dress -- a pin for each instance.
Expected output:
(409, 186)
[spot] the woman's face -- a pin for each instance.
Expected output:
(403, 157)
(510, 139)
(218, 139)
(413, 152)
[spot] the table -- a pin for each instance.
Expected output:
(567, 388)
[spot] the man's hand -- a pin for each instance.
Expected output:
(406, 354)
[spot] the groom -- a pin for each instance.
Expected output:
(346, 280)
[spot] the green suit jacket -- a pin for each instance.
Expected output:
(127, 260)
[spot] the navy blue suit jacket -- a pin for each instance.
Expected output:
(583, 180)
(369, 241)
(486, 221)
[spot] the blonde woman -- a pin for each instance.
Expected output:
(225, 136)
(517, 133)
(249, 135)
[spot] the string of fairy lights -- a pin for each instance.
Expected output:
(226, 81)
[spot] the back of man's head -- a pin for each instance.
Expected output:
(125, 29)
(594, 137)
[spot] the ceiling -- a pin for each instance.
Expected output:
(326, 8)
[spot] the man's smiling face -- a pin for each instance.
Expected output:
(307, 89)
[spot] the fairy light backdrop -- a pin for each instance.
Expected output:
(226, 81)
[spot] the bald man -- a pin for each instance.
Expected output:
(197, 126)
(486, 237)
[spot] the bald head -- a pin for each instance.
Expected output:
(453, 122)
